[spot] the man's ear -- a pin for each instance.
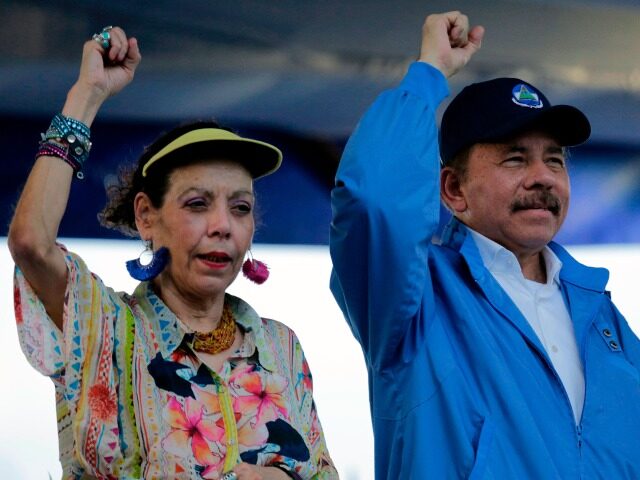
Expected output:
(145, 214)
(451, 190)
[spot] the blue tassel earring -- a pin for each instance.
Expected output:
(150, 271)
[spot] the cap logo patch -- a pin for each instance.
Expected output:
(525, 96)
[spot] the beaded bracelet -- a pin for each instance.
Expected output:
(51, 148)
(67, 139)
(62, 124)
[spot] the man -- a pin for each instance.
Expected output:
(493, 354)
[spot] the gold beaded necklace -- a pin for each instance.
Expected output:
(218, 339)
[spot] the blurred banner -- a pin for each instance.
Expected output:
(293, 206)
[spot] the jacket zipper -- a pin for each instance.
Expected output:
(579, 433)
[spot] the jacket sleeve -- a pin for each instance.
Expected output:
(386, 205)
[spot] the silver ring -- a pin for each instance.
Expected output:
(103, 37)
(229, 476)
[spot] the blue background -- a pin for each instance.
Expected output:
(293, 205)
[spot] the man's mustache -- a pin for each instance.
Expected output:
(542, 199)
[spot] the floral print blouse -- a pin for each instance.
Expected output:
(133, 401)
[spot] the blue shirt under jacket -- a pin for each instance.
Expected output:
(460, 385)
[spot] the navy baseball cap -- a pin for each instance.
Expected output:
(494, 110)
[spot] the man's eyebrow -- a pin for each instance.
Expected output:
(516, 148)
(555, 149)
(242, 192)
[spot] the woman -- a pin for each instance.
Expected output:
(179, 379)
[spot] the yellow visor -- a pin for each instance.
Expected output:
(258, 157)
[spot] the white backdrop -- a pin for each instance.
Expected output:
(297, 294)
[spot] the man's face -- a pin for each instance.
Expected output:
(517, 192)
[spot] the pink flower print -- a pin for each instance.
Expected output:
(252, 434)
(16, 304)
(189, 424)
(211, 472)
(264, 396)
(306, 376)
(240, 371)
(209, 400)
(102, 402)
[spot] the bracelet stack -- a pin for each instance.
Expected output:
(67, 139)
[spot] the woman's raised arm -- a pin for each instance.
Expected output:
(108, 65)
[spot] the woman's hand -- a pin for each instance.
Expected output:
(246, 471)
(109, 71)
(103, 72)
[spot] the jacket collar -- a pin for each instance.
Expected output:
(582, 286)
(574, 272)
(456, 236)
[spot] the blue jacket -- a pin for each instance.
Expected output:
(460, 385)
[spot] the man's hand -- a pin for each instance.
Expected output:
(447, 42)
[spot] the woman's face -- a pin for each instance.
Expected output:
(206, 221)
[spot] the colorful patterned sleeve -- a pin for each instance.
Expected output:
(40, 339)
(80, 362)
(320, 466)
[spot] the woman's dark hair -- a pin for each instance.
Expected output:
(118, 214)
